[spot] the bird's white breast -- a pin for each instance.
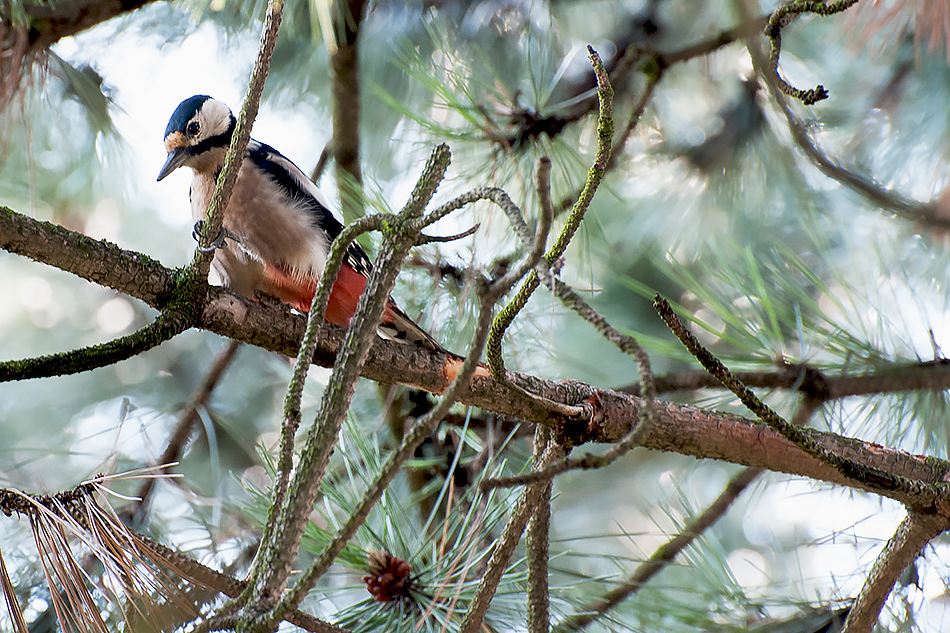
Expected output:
(271, 228)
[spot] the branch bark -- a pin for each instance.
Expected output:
(677, 428)
(912, 535)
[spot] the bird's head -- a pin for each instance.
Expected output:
(199, 126)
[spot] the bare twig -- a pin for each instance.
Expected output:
(168, 324)
(186, 422)
(876, 478)
(281, 541)
(913, 534)
(605, 130)
(508, 541)
(537, 545)
(778, 20)
(894, 378)
(321, 165)
(214, 215)
(878, 195)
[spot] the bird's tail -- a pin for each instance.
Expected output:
(397, 326)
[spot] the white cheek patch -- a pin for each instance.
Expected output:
(214, 118)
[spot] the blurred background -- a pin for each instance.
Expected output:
(711, 203)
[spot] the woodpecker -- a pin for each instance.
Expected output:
(277, 225)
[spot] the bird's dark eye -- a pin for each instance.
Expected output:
(193, 128)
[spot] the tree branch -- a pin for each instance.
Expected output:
(344, 68)
(49, 23)
(167, 325)
(537, 549)
(777, 21)
(895, 378)
(505, 546)
(913, 534)
(872, 477)
(279, 548)
(214, 214)
(269, 325)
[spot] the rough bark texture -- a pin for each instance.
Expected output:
(270, 325)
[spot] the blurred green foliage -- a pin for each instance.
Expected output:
(710, 204)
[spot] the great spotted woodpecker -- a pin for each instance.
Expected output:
(278, 225)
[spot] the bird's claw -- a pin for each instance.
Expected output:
(216, 243)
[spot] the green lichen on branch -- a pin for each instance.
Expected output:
(876, 479)
(605, 133)
(181, 313)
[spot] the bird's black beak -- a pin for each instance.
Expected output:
(176, 158)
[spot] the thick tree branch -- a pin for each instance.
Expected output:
(267, 324)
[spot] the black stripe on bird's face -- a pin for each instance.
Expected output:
(199, 124)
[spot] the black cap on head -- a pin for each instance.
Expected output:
(185, 111)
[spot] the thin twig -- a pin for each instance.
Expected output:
(442, 239)
(777, 21)
(507, 542)
(214, 215)
(605, 130)
(875, 193)
(279, 547)
(186, 422)
(912, 535)
(168, 324)
(893, 378)
(535, 247)
(537, 546)
(874, 478)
